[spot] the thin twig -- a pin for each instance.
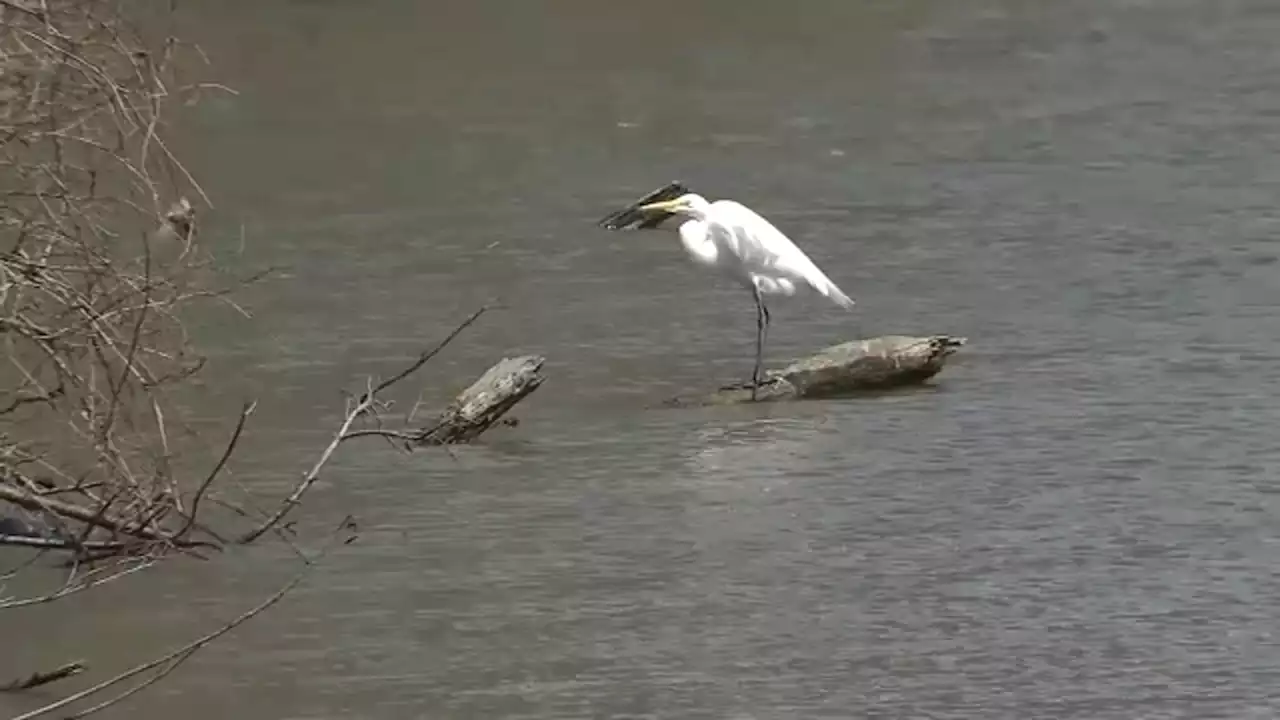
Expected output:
(91, 580)
(426, 356)
(245, 412)
(388, 434)
(47, 543)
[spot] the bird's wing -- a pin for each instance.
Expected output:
(765, 249)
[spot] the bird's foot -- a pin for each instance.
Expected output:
(755, 385)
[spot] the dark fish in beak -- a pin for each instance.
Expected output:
(644, 219)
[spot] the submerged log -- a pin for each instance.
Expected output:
(483, 404)
(851, 368)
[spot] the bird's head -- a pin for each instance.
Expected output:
(690, 205)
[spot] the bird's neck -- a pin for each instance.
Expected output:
(697, 242)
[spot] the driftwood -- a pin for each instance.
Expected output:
(859, 366)
(483, 404)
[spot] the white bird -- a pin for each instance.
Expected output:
(734, 240)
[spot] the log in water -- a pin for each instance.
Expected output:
(850, 368)
(483, 404)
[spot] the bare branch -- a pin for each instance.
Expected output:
(96, 516)
(76, 583)
(425, 357)
(365, 403)
(245, 412)
(385, 434)
(99, 260)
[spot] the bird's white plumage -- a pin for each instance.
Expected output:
(732, 238)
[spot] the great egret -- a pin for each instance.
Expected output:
(733, 239)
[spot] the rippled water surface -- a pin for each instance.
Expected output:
(1077, 520)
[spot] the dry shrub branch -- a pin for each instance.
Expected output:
(100, 261)
(99, 255)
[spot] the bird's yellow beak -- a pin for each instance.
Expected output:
(665, 205)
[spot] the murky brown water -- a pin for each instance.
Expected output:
(1078, 523)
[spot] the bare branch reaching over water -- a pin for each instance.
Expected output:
(365, 405)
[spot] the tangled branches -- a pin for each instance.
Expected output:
(98, 256)
(99, 263)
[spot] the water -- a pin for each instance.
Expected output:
(1076, 521)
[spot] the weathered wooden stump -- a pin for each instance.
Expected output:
(850, 368)
(483, 404)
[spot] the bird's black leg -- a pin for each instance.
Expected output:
(762, 330)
